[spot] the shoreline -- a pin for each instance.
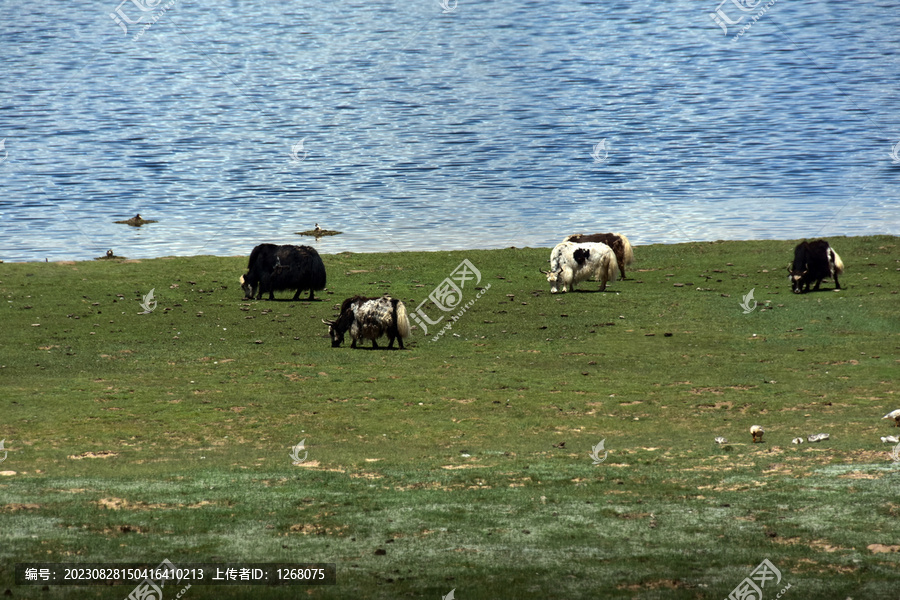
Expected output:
(455, 250)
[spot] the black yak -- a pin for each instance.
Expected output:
(814, 261)
(620, 245)
(274, 268)
(370, 318)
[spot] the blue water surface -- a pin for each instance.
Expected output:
(422, 126)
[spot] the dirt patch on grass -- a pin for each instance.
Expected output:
(739, 487)
(101, 454)
(310, 529)
(122, 504)
(366, 476)
(295, 377)
(827, 568)
(721, 390)
(716, 405)
(659, 584)
(309, 464)
(825, 546)
(124, 529)
(821, 545)
(17, 507)
(882, 548)
(425, 485)
(860, 475)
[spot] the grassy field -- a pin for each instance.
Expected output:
(463, 462)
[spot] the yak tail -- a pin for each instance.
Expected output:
(612, 267)
(402, 321)
(838, 264)
(628, 253)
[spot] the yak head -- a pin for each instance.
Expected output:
(797, 279)
(336, 331)
(552, 277)
(249, 288)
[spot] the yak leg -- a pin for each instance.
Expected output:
(374, 343)
(311, 296)
(271, 295)
(296, 295)
(837, 284)
(353, 343)
(603, 285)
(390, 342)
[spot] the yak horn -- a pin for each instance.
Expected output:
(328, 322)
(544, 272)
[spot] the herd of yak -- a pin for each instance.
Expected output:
(578, 258)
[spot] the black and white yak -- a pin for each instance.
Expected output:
(572, 263)
(813, 262)
(370, 318)
(620, 245)
(274, 268)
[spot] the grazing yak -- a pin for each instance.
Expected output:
(814, 261)
(370, 318)
(274, 268)
(572, 263)
(620, 245)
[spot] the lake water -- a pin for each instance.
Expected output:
(417, 126)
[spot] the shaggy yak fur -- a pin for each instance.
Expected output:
(370, 318)
(572, 263)
(274, 268)
(620, 245)
(814, 261)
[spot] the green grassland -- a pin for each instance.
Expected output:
(462, 462)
